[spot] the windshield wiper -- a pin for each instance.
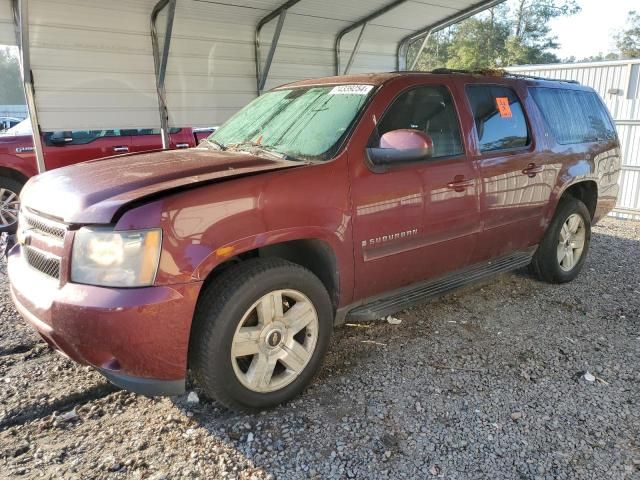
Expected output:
(240, 145)
(268, 151)
(214, 144)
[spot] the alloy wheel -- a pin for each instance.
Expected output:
(571, 242)
(274, 341)
(9, 207)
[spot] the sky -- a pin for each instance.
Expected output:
(592, 30)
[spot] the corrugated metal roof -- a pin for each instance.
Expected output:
(93, 65)
(7, 32)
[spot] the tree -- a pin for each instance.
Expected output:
(628, 41)
(478, 43)
(436, 51)
(600, 57)
(11, 85)
(514, 33)
(531, 39)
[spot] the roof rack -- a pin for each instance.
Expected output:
(534, 77)
(497, 72)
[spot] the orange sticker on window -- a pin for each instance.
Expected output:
(503, 107)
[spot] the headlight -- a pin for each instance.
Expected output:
(102, 256)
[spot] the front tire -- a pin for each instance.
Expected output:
(261, 330)
(563, 250)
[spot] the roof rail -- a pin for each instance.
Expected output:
(534, 77)
(497, 72)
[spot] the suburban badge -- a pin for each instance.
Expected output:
(387, 238)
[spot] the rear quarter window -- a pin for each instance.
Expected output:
(573, 116)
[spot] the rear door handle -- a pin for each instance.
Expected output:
(460, 183)
(182, 145)
(532, 170)
(121, 149)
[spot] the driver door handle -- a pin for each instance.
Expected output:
(532, 170)
(460, 183)
(121, 149)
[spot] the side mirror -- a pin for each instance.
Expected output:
(401, 146)
(60, 139)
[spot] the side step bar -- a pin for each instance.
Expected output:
(420, 293)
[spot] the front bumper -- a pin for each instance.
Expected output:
(137, 337)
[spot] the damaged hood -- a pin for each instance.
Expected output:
(93, 192)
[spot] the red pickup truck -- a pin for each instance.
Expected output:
(18, 163)
(343, 197)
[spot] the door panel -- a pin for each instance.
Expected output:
(415, 221)
(67, 148)
(513, 202)
(182, 138)
(144, 140)
(516, 177)
(410, 224)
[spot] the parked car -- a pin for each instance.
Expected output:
(7, 122)
(18, 162)
(322, 200)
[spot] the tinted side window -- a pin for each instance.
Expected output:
(429, 109)
(78, 137)
(500, 121)
(573, 116)
(134, 132)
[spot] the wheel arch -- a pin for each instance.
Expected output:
(315, 254)
(586, 191)
(14, 174)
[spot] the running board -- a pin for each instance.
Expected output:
(417, 294)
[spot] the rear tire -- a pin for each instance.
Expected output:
(9, 204)
(246, 350)
(563, 250)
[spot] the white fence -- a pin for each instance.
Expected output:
(17, 111)
(618, 83)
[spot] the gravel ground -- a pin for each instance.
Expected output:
(488, 382)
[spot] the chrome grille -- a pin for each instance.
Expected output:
(34, 228)
(41, 261)
(42, 226)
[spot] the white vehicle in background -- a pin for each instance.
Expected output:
(8, 122)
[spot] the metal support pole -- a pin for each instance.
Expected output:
(160, 60)
(356, 48)
(360, 23)
(420, 50)
(21, 21)
(401, 56)
(262, 74)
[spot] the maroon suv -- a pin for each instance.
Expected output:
(322, 200)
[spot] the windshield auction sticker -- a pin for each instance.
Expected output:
(351, 90)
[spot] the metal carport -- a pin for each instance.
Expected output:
(91, 64)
